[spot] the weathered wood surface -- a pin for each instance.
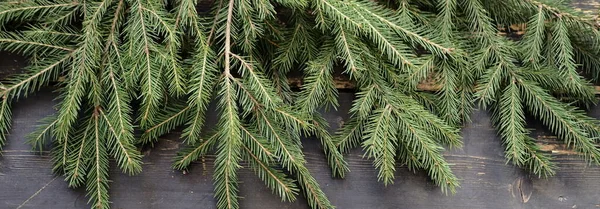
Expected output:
(487, 181)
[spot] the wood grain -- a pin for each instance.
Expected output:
(487, 181)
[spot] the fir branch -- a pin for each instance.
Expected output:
(257, 83)
(36, 77)
(229, 147)
(190, 154)
(344, 14)
(564, 60)
(429, 154)
(449, 99)
(291, 158)
(490, 83)
(43, 133)
(511, 124)
(318, 89)
(123, 149)
(5, 120)
(260, 154)
(555, 115)
(296, 47)
(79, 159)
(444, 20)
(274, 179)
(140, 48)
(380, 143)
(350, 135)
(204, 75)
(406, 31)
(533, 41)
(338, 165)
(97, 180)
(28, 46)
(170, 118)
(350, 49)
(32, 10)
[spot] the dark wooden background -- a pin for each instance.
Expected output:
(26, 180)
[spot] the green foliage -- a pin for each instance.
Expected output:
(152, 66)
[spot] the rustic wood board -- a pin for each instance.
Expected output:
(26, 180)
(486, 181)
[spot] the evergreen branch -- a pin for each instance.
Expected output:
(38, 138)
(490, 83)
(589, 61)
(447, 9)
(546, 77)
(227, 49)
(539, 163)
(343, 14)
(318, 88)
(297, 4)
(565, 61)
(69, 107)
(408, 156)
(80, 157)
(449, 98)
(417, 75)
(190, 154)
(429, 154)
(175, 73)
(275, 179)
(533, 41)
(338, 165)
(443, 132)
(170, 118)
(84, 62)
(350, 49)
(37, 77)
(252, 28)
(97, 179)
(349, 136)
(511, 124)
(404, 31)
(140, 51)
(229, 135)
(296, 46)
(128, 158)
(291, 158)
(264, 9)
(120, 103)
(16, 43)
(5, 120)
(380, 143)
(260, 147)
(26, 10)
(558, 119)
(261, 154)
(366, 100)
(204, 75)
(258, 84)
(481, 23)
(229, 147)
(558, 12)
(213, 28)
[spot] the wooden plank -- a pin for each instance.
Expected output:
(10, 64)
(486, 181)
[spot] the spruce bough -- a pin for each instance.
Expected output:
(154, 66)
